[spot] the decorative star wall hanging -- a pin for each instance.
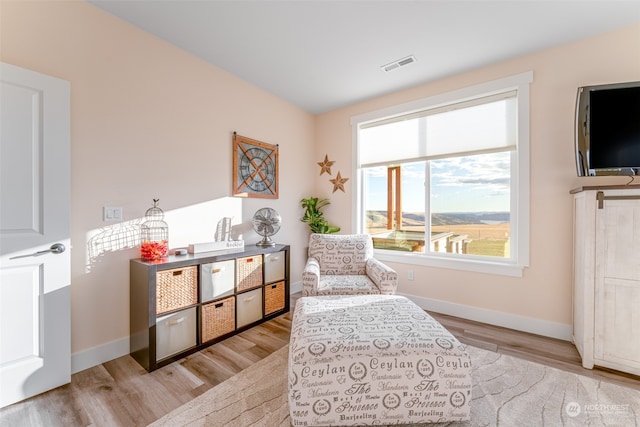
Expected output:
(338, 183)
(326, 165)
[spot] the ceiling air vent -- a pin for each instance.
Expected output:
(399, 63)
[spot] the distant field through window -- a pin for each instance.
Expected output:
(470, 211)
(448, 181)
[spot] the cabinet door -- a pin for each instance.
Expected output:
(618, 285)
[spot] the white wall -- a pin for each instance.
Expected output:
(149, 121)
(540, 301)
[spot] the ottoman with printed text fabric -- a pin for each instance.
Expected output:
(374, 360)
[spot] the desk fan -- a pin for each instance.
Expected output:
(266, 222)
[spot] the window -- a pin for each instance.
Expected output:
(444, 181)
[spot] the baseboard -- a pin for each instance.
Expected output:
(295, 287)
(94, 356)
(91, 357)
(506, 320)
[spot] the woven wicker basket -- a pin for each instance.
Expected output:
(218, 318)
(249, 273)
(273, 298)
(176, 288)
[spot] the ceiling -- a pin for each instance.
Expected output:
(325, 54)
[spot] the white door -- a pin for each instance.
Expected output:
(35, 339)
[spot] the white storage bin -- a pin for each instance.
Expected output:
(217, 279)
(248, 307)
(175, 332)
(274, 267)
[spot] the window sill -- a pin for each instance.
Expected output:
(478, 266)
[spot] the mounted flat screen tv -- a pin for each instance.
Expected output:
(607, 135)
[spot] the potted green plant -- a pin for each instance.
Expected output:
(315, 218)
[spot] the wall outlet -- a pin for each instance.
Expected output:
(410, 275)
(110, 213)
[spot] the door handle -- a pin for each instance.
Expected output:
(56, 248)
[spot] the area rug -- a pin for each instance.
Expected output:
(507, 391)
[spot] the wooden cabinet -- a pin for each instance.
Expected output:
(606, 276)
(186, 303)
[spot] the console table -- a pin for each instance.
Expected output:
(183, 304)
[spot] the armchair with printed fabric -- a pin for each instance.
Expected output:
(344, 265)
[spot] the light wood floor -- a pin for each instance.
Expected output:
(121, 393)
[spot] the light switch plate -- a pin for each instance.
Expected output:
(110, 213)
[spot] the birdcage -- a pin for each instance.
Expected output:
(154, 234)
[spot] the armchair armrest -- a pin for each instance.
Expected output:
(310, 277)
(384, 277)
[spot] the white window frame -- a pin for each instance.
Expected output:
(519, 178)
